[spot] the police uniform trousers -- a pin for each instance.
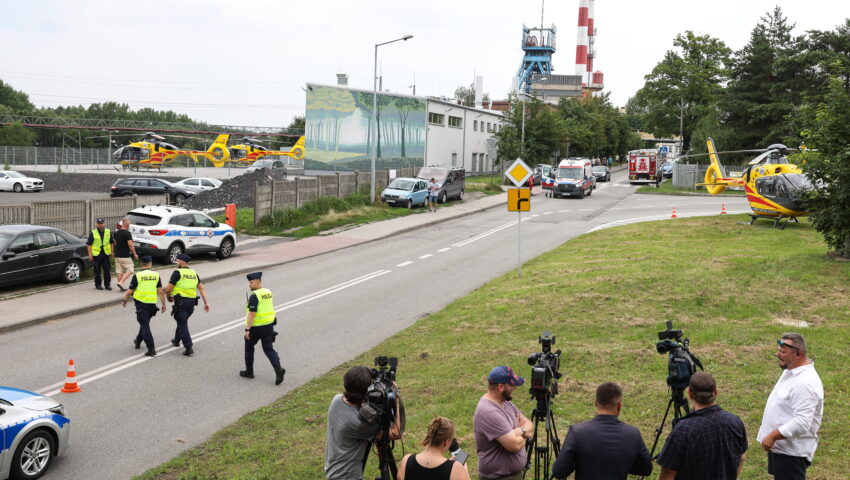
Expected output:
(144, 312)
(183, 309)
(264, 334)
(101, 262)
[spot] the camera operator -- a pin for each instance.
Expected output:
(501, 429)
(706, 444)
(605, 447)
(352, 425)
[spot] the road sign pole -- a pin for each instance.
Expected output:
(519, 242)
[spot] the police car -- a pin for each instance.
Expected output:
(167, 231)
(33, 431)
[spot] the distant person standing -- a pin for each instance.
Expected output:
(99, 245)
(259, 327)
(792, 416)
(433, 189)
(183, 288)
(145, 287)
(124, 250)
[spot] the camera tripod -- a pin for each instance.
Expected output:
(538, 452)
(387, 469)
(680, 409)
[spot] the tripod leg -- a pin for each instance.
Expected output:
(660, 428)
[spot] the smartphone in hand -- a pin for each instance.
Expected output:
(461, 456)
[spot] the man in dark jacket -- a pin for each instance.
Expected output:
(605, 447)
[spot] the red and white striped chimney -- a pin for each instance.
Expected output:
(582, 38)
(591, 31)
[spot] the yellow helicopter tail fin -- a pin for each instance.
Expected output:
(715, 171)
(218, 152)
(297, 150)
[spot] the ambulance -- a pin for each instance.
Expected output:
(574, 178)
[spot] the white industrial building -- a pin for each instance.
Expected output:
(459, 136)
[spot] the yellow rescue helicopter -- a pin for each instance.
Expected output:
(249, 151)
(152, 152)
(774, 187)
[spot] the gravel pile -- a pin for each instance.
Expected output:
(85, 182)
(238, 190)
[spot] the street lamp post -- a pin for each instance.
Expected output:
(375, 113)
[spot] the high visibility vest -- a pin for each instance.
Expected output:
(265, 308)
(99, 242)
(187, 286)
(145, 291)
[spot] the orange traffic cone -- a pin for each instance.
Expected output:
(723, 209)
(71, 379)
(674, 213)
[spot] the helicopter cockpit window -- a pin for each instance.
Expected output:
(766, 186)
(781, 190)
(237, 153)
(799, 184)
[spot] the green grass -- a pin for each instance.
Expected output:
(729, 286)
(666, 188)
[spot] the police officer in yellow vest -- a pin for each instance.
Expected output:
(100, 245)
(259, 327)
(145, 287)
(184, 285)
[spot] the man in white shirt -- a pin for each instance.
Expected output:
(792, 416)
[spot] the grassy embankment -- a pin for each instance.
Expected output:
(731, 287)
(328, 213)
(667, 188)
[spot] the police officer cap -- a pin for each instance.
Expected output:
(146, 259)
(184, 257)
(254, 276)
(99, 220)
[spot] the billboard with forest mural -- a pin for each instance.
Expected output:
(338, 136)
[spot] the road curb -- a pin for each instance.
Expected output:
(212, 278)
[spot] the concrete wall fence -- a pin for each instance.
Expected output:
(295, 193)
(76, 217)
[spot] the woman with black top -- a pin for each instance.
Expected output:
(431, 464)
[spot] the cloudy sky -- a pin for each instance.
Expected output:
(245, 62)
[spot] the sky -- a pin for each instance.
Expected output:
(246, 62)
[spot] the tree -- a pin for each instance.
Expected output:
(16, 134)
(404, 105)
(545, 132)
(19, 102)
(466, 95)
(828, 130)
(685, 85)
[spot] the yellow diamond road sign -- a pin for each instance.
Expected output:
(518, 172)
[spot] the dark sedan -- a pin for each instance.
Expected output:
(33, 252)
(150, 186)
(602, 173)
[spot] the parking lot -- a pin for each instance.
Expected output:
(12, 198)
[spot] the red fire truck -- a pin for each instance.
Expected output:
(644, 166)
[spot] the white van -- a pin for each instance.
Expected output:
(574, 178)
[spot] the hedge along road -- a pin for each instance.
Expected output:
(332, 307)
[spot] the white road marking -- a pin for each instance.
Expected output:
(423, 257)
(546, 213)
(115, 367)
(562, 211)
(488, 233)
(404, 264)
(627, 221)
(443, 250)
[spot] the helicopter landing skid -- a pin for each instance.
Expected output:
(777, 220)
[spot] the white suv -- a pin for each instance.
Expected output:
(166, 231)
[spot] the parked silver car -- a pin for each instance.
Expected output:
(34, 430)
(199, 184)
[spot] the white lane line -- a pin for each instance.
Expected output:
(563, 211)
(618, 223)
(404, 264)
(488, 233)
(443, 250)
(90, 376)
(547, 213)
(536, 215)
(423, 257)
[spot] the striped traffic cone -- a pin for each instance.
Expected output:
(723, 209)
(674, 213)
(71, 379)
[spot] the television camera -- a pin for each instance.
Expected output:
(545, 372)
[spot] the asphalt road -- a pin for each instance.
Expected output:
(12, 198)
(331, 308)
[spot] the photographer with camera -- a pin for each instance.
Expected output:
(604, 448)
(706, 444)
(501, 430)
(431, 464)
(352, 426)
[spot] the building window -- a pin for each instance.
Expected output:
(488, 127)
(455, 122)
(436, 118)
(474, 161)
(454, 159)
(475, 125)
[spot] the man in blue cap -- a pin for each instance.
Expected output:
(259, 327)
(501, 430)
(184, 285)
(145, 287)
